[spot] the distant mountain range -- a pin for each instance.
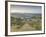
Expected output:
(25, 14)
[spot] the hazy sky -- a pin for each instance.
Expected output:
(25, 9)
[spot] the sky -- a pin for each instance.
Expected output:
(25, 9)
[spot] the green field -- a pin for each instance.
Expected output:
(23, 24)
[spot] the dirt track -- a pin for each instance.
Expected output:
(25, 27)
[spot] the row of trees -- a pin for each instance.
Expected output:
(36, 17)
